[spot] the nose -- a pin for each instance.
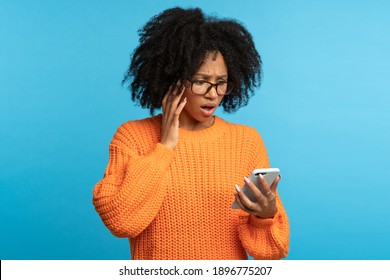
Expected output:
(212, 93)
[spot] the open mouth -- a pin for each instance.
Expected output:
(207, 108)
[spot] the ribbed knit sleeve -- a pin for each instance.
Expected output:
(131, 193)
(263, 238)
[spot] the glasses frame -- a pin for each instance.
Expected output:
(211, 86)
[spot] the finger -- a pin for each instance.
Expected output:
(172, 109)
(174, 89)
(179, 109)
(241, 205)
(244, 199)
(171, 99)
(177, 97)
(275, 183)
(165, 102)
(169, 104)
(253, 188)
(175, 103)
(266, 190)
(178, 87)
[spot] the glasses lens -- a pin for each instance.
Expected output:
(225, 88)
(200, 87)
(221, 88)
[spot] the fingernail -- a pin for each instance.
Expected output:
(246, 180)
(185, 99)
(261, 176)
(238, 188)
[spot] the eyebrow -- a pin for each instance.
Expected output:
(204, 75)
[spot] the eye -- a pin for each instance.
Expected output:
(198, 82)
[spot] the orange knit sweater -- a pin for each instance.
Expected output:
(176, 204)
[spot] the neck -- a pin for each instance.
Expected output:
(188, 124)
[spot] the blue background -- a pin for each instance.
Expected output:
(322, 111)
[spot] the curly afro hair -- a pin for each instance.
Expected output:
(174, 45)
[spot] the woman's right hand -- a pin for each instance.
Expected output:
(171, 108)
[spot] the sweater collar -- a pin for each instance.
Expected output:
(218, 129)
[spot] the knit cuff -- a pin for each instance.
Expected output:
(259, 222)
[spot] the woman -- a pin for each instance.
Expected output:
(172, 178)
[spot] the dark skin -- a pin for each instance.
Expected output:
(265, 205)
(172, 106)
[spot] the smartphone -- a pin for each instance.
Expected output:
(270, 175)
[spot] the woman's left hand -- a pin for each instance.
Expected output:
(265, 205)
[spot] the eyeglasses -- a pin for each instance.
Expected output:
(200, 87)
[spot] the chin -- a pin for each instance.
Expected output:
(204, 118)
